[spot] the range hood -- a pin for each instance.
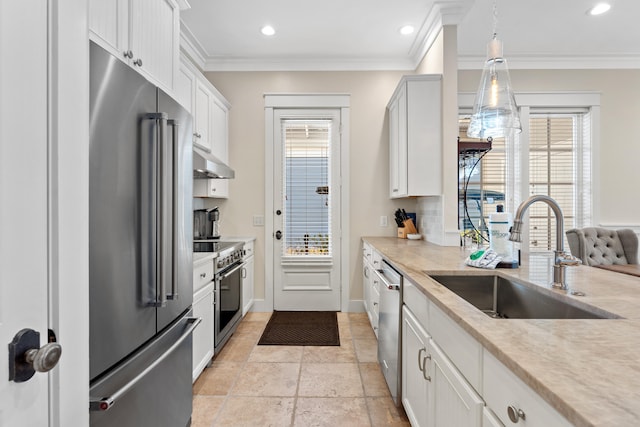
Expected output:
(206, 165)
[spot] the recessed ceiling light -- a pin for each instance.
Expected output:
(268, 30)
(599, 9)
(406, 30)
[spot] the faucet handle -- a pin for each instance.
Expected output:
(565, 258)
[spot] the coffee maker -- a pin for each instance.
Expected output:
(206, 224)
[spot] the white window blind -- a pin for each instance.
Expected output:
(306, 187)
(557, 168)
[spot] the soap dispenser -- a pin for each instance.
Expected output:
(500, 223)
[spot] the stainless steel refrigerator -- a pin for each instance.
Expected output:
(140, 252)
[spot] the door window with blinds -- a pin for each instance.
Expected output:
(553, 157)
(306, 179)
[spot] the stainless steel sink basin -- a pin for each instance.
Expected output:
(506, 299)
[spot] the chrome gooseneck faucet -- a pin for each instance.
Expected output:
(561, 258)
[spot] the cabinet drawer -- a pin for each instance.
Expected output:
(463, 350)
(202, 274)
(367, 252)
(502, 389)
(376, 259)
(417, 302)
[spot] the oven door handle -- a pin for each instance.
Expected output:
(226, 274)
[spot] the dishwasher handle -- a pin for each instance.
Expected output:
(386, 283)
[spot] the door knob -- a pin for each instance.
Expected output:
(278, 234)
(278, 212)
(26, 356)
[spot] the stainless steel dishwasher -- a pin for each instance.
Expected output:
(389, 346)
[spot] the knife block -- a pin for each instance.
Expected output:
(409, 228)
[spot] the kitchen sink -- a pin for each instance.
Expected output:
(507, 299)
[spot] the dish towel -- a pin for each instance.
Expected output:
(484, 259)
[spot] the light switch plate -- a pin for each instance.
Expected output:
(384, 221)
(258, 220)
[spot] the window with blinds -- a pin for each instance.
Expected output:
(558, 155)
(306, 188)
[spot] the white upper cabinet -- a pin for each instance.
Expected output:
(202, 116)
(143, 33)
(210, 111)
(415, 137)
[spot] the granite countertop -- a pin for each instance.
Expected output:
(588, 370)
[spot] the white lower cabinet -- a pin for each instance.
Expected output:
(371, 285)
(454, 401)
(512, 401)
(434, 392)
(247, 283)
(415, 386)
(203, 334)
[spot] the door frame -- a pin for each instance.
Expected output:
(306, 101)
(68, 214)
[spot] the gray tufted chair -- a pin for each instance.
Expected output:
(601, 246)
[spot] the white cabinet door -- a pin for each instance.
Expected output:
(453, 401)
(366, 286)
(219, 130)
(415, 386)
(154, 36)
(247, 285)
(203, 117)
(398, 144)
(143, 33)
(109, 25)
(415, 137)
(186, 87)
(203, 334)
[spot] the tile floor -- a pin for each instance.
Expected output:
(252, 385)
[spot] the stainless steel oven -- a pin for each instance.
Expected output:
(227, 275)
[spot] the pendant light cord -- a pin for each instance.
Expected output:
(495, 18)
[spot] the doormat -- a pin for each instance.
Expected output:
(313, 328)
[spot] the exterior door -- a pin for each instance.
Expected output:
(24, 245)
(307, 193)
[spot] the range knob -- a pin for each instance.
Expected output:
(220, 263)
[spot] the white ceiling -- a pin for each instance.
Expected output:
(364, 34)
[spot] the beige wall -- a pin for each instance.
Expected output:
(369, 166)
(619, 150)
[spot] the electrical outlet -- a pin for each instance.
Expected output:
(258, 220)
(384, 221)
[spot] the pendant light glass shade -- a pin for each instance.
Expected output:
(495, 113)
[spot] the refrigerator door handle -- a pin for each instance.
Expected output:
(158, 213)
(105, 403)
(173, 147)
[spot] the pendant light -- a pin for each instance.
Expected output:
(495, 113)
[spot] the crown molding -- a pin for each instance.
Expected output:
(441, 13)
(556, 62)
(308, 64)
(192, 47)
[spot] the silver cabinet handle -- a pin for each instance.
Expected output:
(197, 135)
(128, 54)
(515, 414)
(424, 365)
(203, 275)
(244, 273)
(106, 403)
(420, 359)
(138, 62)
